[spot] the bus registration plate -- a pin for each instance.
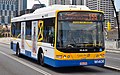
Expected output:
(83, 63)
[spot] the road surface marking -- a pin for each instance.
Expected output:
(114, 58)
(113, 51)
(113, 67)
(28, 65)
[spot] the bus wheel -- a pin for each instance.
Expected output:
(41, 58)
(18, 51)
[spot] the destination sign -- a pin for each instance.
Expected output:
(80, 16)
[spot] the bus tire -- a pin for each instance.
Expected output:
(41, 58)
(17, 50)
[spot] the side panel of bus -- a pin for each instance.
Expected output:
(22, 44)
(34, 49)
(30, 46)
(44, 31)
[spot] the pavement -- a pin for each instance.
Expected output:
(7, 40)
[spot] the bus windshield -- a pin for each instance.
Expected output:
(79, 33)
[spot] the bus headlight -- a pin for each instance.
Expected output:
(64, 56)
(97, 55)
(58, 56)
(68, 56)
(102, 55)
(88, 55)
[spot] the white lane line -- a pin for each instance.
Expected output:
(28, 65)
(113, 51)
(113, 58)
(113, 67)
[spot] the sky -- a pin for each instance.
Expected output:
(117, 4)
(31, 2)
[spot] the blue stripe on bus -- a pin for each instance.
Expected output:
(28, 53)
(65, 63)
(14, 47)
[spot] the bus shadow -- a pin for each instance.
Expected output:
(26, 58)
(70, 70)
(64, 70)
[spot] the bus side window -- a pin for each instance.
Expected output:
(16, 29)
(45, 34)
(48, 30)
(48, 34)
(28, 30)
(13, 29)
(50, 39)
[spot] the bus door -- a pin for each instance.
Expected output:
(34, 38)
(23, 25)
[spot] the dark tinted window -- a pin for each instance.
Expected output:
(28, 30)
(16, 29)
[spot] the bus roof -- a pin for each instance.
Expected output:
(48, 12)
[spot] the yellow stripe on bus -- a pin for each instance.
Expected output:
(18, 35)
(28, 44)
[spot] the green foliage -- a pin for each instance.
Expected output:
(1, 33)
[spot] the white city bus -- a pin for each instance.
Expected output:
(60, 35)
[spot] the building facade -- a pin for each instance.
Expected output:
(103, 5)
(8, 10)
(22, 5)
(61, 2)
(119, 16)
(78, 2)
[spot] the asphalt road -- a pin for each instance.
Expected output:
(113, 60)
(10, 64)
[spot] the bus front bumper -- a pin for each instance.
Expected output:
(66, 63)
